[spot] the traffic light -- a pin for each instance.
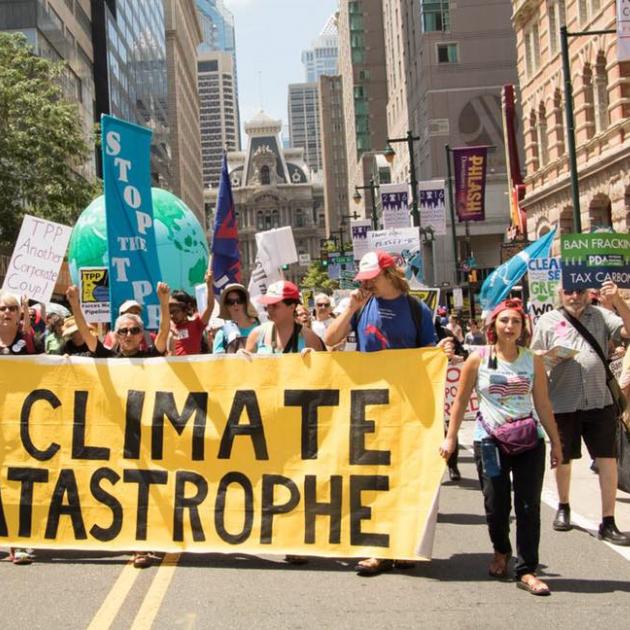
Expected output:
(285, 267)
(325, 263)
(472, 276)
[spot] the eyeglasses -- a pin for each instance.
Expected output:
(323, 305)
(11, 308)
(134, 330)
(235, 301)
(572, 291)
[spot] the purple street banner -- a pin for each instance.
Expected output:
(431, 206)
(395, 204)
(134, 269)
(470, 182)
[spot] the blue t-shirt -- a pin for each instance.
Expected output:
(388, 324)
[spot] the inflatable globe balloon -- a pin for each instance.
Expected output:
(182, 249)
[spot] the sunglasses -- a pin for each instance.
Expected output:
(235, 301)
(11, 308)
(323, 305)
(134, 330)
(572, 291)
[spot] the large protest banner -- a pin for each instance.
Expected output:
(334, 454)
(37, 258)
(543, 275)
(590, 259)
(134, 270)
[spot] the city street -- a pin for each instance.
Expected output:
(590, 581)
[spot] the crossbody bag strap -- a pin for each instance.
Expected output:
(577, 324)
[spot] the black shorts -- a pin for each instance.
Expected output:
(598, 427)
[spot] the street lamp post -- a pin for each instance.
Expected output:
(372, 186)
(389, 153)
(568, 108)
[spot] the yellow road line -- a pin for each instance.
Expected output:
(153, 599)
(106, 614)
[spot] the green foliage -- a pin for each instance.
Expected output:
(317, 278)
(42, 145)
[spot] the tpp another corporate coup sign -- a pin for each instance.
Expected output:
(133, 263)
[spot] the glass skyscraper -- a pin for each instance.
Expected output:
(321, 58)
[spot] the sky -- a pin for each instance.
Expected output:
(270, 37)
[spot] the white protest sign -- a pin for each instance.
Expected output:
(279, 245)
(431, 206)
(623, 30)
(395, 204)
(94, 294)
(267, 270)
(37, 257)
(458, 298)
(359, 230)
(544, 275)
(403, 244)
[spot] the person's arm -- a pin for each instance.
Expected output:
(543, 407)
(340, 326)
(311, 340)
(466, 385)
(610, 293)
(205, 316)
(218, 345)
(72, 295)
(163, 293)
(252, 340)
(27, 329)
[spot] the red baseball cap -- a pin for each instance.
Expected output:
(278, 291)
(373, 263)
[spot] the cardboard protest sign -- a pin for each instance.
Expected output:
(37, 258)
(395, 204)
(543, 276)
(453, 376)
(588, 260)
(403, 244)
(94, 294)
(430, 296)
(335, 454)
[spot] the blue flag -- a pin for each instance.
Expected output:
(226, 256)
(134, 270)
(498, 284)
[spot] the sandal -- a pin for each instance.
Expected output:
(530, 583)
(141, 560)
(499, 565)
(373, 566)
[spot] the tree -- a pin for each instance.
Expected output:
(317, 278)
(42, 144)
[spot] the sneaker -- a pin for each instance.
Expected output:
(454, 474)
(562, 522)
(20, 556)
(612, 535)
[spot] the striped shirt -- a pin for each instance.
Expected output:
(578, 383)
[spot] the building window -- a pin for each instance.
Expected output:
(543, 143)
(532, 48)
(260, 221)
(275, 219)
(265, 177)
(589, 100)
(557, 18)
(533, 140)
(583, 11)
(435, 15)
(558, 120)
(299, 218)
(447, 53)
(602, 120)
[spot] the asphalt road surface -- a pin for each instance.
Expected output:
(590, 583)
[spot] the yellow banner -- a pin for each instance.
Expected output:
(331, 454)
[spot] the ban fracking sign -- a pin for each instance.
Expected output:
(588, 260)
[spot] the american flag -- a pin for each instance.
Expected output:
(512, 385)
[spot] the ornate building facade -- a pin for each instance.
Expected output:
(601, 87)
(272, 188)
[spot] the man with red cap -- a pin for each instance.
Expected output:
(384, 316)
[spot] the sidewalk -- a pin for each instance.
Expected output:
(585, 496)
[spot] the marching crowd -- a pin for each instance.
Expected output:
(525, 389)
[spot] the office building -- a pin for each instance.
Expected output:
(304, 130)
(601, 85)
(321, 58)
(219, 112)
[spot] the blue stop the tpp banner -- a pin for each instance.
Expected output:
(588, 260)
(133, 262)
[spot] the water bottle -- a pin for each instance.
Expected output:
(490, 460)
